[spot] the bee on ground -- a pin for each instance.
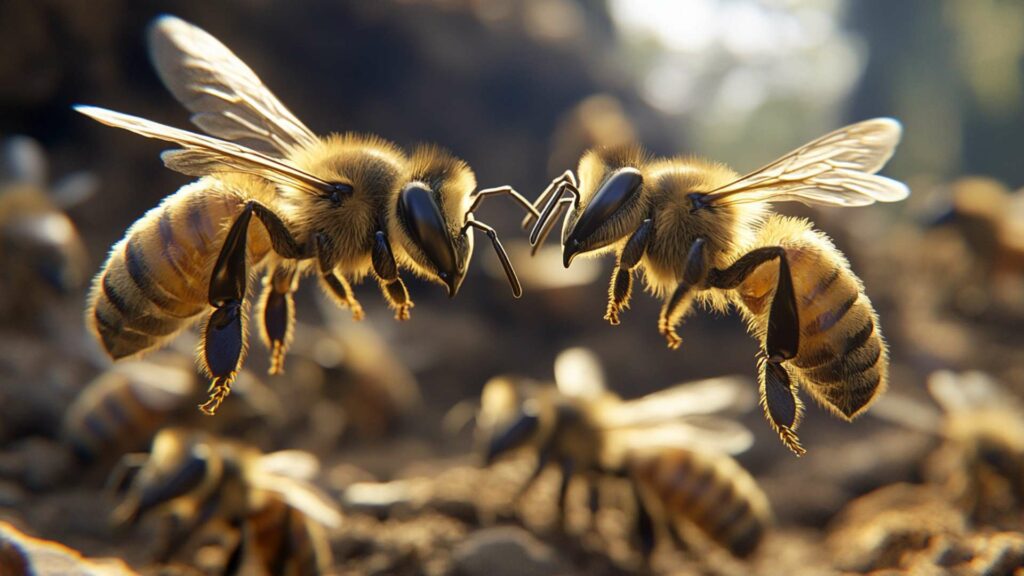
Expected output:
(122, 409)
(674, 454)
(275, 519)
(980, 463)
(699, 231)
(342, 206)
(41, 253)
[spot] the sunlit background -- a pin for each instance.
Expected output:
(520, 90)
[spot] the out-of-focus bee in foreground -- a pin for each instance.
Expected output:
(122, 409)
(980, 463)
(673, 452)
(41, 252)
(273, 518)
(699, 231)
(343, 206)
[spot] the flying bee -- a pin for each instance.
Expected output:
(195, 480)
(343, 206)
(40, 249)
(122, 409)
(980, 462)
(669, 447)
(699, 231)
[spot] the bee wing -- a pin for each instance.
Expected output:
(305, 497)
(682, 400)
(296, 464)
(499, 400)
(227, 98)
(204, 155)
(24, 161)
(578, 373)
(703, 432)
(968, 391)
(837, 169)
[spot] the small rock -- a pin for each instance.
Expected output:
(506, 550)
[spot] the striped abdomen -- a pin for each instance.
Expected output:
(156, 279)
(842, 358)
(709, 491)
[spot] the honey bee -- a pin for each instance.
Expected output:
(667, 444)
(342, 206)
(40, 249)
(196, 480)
(700, 232)
(980, 463)
(123, 408)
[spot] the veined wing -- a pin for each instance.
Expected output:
(968, 391)
(227, 98)
(297, 464)
(699, 433)
(837, 169)
(304, 497)
(578, 373)
(684, 400)
(203, 155)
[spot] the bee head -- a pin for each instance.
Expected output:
(431, 215)
(178, 464)
(516, 433)
(607, 206)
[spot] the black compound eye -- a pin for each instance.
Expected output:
(339, 192)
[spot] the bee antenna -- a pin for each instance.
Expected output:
(510, 273)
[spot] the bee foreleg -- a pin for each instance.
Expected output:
(386, 268)
(335, 284)
(538, 468)
(678, 304)
(781, 404)
(567, 468)
(278, 313)
(224, 334)
(622, 278)
(281, 238)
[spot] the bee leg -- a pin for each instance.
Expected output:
(644, 525)
(545, 196)
(386, 268)
(782, 406)
(542, 462)
(622, 278)
(278, 313)
(224, 333)
(678, 304)
(337, 286)
(568, 467)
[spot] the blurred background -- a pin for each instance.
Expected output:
(519, 90)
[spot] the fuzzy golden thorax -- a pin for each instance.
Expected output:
(595, 167)
(670, 184)
(375, 168)
(451, 183)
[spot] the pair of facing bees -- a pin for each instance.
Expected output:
(347, 206)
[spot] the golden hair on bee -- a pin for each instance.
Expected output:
(671, 449)
(342, 207)
(701, 233)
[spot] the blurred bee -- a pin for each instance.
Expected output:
(669, 447)
(343, 206)
(123, 408)
(701, 232)
(41, 252)
(980, 463)
(195, 480)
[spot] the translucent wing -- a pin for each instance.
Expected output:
(837, 169)
(703, 432)
(682, 400)
(499, 401)
(228, 100)
(578, 373)
(24, 161)
(968, 391)
(204, 155)
(304, 497)
(297, 464)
